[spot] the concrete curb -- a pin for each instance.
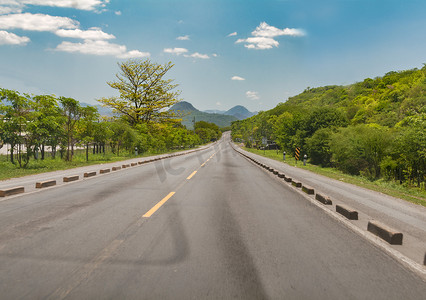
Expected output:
(71, 178)
(308, 190)
(89, 174)
(116, 168)
(12, 191)
(386, 233)
(323, 199)
(43, 184)
(103, 171)
(347, 211)
(296, 183)
(134, 164)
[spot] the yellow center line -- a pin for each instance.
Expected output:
(164, 200)
(192, 174)
(158, 205)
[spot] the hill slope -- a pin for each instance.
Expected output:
(189, 112)
(240, 112)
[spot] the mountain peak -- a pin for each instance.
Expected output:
(183, 106)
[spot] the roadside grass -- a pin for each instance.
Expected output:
(409, 193)
(9, 170)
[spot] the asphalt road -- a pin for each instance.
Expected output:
(207, 225)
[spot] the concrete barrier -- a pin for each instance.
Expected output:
(424, 261)
(308, 190)
(43, 184)
(71, 178)
(296, 184)
(116, 168)
(103, 171)
(89, 174)
(386, 233)
(288, 179)
(281, 175)
(141, 162)
(134, 164)
(125, 166)
(275, 172)
(323, 199)
(346, 211)
(12, 191)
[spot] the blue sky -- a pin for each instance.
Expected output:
(226, 52)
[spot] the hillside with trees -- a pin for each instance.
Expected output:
(375, 128)
(188, 113)
(36, 124)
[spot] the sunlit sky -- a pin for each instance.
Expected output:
(226, 52)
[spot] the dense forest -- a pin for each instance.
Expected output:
(375, 128)
(32, 125)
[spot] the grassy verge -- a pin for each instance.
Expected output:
(391, 188)
(9, 170)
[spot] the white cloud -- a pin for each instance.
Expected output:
(118, 13)
(177, 51)
(232, 34)
(198, 55)
(264, 34)
(91, 34)
(266, 30)
(7, 38)
(183, 38)
(77, 4)
(237, 78)
(260, 43)
(100, 48)
(252, 95)
(36, 22)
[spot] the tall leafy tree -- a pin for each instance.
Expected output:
(144, 93)
(71, 110)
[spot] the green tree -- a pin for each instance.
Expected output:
(144, 93)
(71, 111)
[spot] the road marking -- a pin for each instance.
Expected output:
(164, 200)
(158, 205)
(192, 174)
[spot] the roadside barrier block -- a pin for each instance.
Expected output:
(424, 261)
(346, 211)
(12, 191)
(296, 184)
(140, 162)
(281, 175)
(103, 171)
(125, 166)
(308, 190)
(134, 164)
(386, 233)
(323, 199)
(288, 179)
(71, 178)
(43, 184)
(275, 172)
(90, 174)
(116, 168)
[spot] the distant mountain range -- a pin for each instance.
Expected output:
(220, 118)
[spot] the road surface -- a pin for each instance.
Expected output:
(206, 225)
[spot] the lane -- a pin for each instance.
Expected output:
(229, 231)
(408, 218)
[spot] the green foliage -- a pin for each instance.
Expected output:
(374, 128)
(144, 93)
(207, 131)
